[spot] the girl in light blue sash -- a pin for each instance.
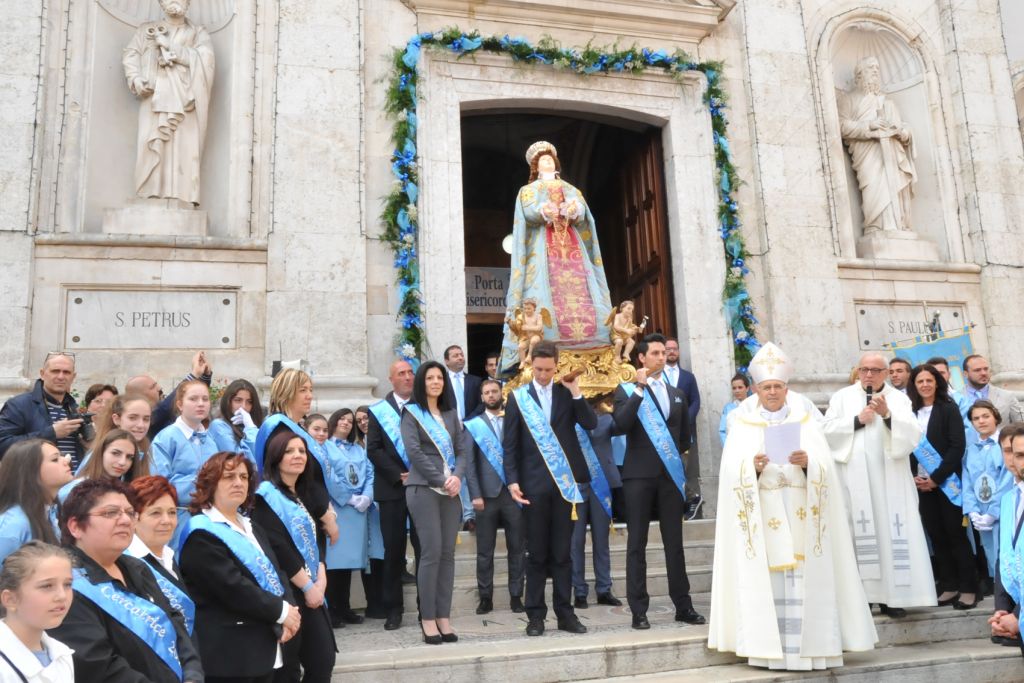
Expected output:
(181, 449)
(985, 478)
(431, 432)
(351, 489)
(119, 459)
(240, 418)
(31, 474)
(286, 510)
(119, 621)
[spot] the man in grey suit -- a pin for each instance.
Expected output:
(600, 523)
(977, 375)
(485, 478)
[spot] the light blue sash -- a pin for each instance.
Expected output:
(598, 482)
(297, 521)
(270, 426)
(930, 458)
(149, 622)
(657, 431)
(253, 559)
(437, 432)
(1011, 560)
(549, 447)
(488, 442)
(178, 598)
(390, 422)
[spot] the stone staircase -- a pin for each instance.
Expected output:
(931, 645)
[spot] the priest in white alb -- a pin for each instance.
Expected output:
(785, 591)
(872, 431)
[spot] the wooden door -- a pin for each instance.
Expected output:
(648, 265)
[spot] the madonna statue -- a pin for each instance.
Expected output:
(555, 262)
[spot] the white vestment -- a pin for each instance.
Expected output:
(874, 466)
(785, 591)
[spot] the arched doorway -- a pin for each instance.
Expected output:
(618, 166)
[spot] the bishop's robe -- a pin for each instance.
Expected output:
(785, 591)
(874, 466)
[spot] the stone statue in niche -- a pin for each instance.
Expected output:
(169, 67)
(881, 151)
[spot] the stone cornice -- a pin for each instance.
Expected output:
(654, 23)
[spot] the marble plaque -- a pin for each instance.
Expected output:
(485, 289)
(886, 323)
(150, 319)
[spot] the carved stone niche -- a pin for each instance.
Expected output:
(650, 23)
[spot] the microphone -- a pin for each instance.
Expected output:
(869, 391)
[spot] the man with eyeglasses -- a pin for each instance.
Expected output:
(47, 411)
(872, 430)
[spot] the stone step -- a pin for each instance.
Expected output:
(494, 647)
(697, 553)
(975, 661)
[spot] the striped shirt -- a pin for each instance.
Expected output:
(67, 445)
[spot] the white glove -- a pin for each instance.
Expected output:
(975, 518)
(986, 523)
(362, 503)
(353, 500)
(243, 418)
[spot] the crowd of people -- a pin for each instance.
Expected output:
(144, 535)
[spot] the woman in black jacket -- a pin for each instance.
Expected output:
(286, 507)
(243, 606)
(938, 462)
(120, 625)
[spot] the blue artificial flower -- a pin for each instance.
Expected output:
(412, 191)
(403, 220)
(618, 66)
(456, 45)
(469, 44)
(412, 53)
(725, 182)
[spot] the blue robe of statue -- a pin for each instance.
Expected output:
(561, 267)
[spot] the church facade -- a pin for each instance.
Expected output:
(878, 143)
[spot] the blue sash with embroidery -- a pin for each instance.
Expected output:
(437, 432)
(297, 522)
(548, 445)
(930, 458)
(253, 559)
(390, 422)
(488, 442)
(598, 482)
(1011, 560)
(657, 431)
(148, 621)
(178, 598)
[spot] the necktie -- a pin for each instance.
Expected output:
(545, 401)
(661, 394)
(200, 437)
(671, 375)
(496, 421)
(460, 395)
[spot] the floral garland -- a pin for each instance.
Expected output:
(400, 216)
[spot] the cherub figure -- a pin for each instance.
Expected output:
(623, 330)
(528, 326)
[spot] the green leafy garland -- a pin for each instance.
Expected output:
(400, 216)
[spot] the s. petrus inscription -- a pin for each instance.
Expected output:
(150, 319)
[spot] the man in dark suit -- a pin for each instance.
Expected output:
(549, 522)
(492, 501)
(467, 400)
(684, 380)
(390, 473)
(1005, 622)
(491, 361)
(647, 482)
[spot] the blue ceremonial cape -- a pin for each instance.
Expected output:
(178, 598)
(390, 423)
(148, 621)
(930, 459)
(598, 482)
(550, 449)
(252, 558)
(437, 432)
(1011, 559)
(297, 521)
(657, 430)
(488, 443)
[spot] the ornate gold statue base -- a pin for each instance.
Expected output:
(602, 373)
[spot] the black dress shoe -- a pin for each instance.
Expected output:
(608, 599)
(393, 622)
(430, 640)
(449, 638)
(580, 602)
(1010, 642)
(572, 625)
(690, 616)
(893, 612)
(957, 604)
(350, 617)
(337, 621)
(485, 606)
(516, 603)
(407, 578)
(376, 613)
(949, 601)
(640, 622)
(535, 627)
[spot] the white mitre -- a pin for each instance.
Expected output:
(770, 362)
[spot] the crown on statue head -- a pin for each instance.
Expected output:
(537, 148)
